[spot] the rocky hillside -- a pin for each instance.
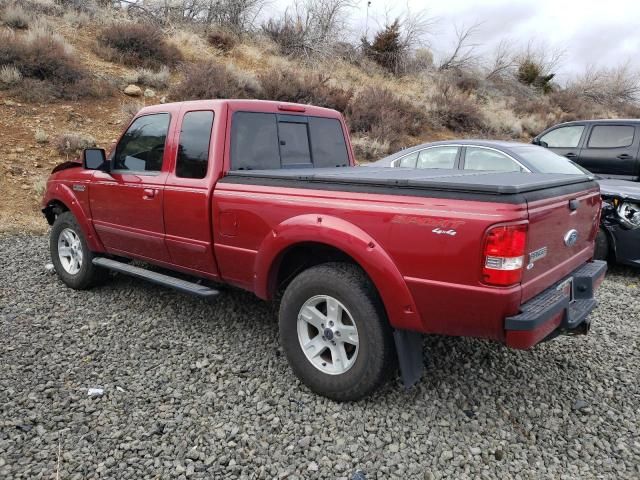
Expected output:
(72, 74)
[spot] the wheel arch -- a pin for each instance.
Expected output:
(307, 240)
(63, 200)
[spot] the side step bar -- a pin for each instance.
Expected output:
(155, 277)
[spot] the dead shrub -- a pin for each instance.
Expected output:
(137, 45)
(73, 143)
(369, 149)
(287, 34)
(458, 113)
(129, 110)
(380, 114)
(47, 65)
(312, 88)
(210, 80)
(573, 106)
(9, 76)
(150, 78)
(221, 40)
(15, 16)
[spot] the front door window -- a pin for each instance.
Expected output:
(141, 148)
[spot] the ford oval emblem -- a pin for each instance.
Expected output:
(571, 238)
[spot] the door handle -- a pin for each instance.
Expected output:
(148, 193)
(624, 156)
(571, 155)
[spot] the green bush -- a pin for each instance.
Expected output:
(386, 49)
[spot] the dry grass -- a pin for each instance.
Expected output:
(73, 143)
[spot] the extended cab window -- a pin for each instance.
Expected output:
(193, 150)
(141, 148)
(484, 159)
(563, 137)
(611, 136)
(272, 141)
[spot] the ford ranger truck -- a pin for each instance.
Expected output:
(265, 196)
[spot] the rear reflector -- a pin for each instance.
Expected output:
(504, 248)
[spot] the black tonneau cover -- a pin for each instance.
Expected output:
(492, 183)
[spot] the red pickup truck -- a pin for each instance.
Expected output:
(265, 196)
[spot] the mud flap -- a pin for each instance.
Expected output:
(409, 350)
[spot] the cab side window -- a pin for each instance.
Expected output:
(141, 148)
(563, 137)
(611, 136)
(193, 149)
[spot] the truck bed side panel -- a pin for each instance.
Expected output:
(434, 242)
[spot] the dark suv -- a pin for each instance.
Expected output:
(608, 148)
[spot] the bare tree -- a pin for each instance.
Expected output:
(236, 15)
(310, 26)
(608, 86)
(464, 54)
(502, 61)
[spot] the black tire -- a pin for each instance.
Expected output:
(376, 357)
(602, 246)
(88, 275)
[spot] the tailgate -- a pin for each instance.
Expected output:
(562, 230)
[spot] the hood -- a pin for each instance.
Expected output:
(622, 189)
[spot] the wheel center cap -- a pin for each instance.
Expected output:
(328, 334)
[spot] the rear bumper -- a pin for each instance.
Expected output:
(552, 312)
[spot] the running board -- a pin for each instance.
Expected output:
(155, 277)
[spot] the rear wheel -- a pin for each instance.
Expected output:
(602, 246)
(334, 332)
(71, 256)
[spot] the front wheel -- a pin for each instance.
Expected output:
(71, 256)
(335, 333)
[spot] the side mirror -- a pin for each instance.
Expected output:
(95, 159)
(535, 141)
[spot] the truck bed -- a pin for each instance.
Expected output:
(410, 181)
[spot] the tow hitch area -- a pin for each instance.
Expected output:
(561, 309)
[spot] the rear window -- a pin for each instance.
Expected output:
(542, 160)
(267, 141)
(611, 136)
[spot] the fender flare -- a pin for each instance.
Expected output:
(353, 241)
(63, 194)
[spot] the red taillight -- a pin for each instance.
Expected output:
(503, 256)
(288, 107)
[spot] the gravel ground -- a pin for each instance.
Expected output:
(200, 390)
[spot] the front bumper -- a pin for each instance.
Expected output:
(553, 312)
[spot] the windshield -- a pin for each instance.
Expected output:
(545, 161)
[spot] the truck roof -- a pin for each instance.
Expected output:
(267, 106)
(484, 182)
